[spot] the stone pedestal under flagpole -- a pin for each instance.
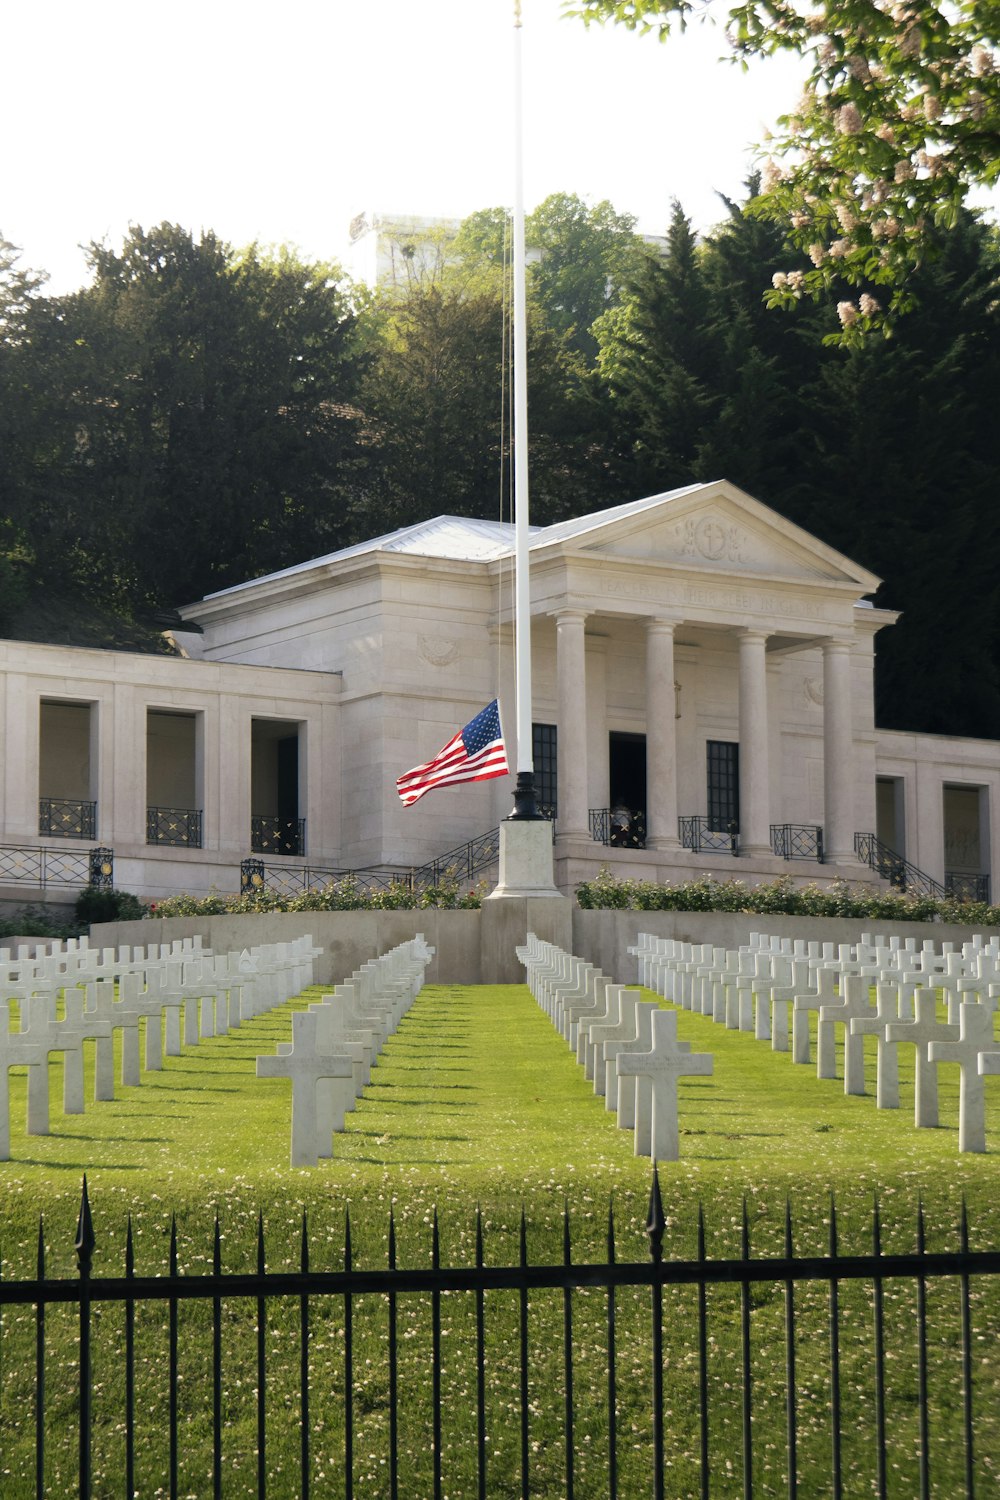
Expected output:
(525, 900)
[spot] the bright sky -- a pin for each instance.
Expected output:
(280, 121)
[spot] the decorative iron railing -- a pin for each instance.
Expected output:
(66, 818)
(465, 862)
(41, 867)
(695, 833)
(966, 887)
(618, 828)
(177, 826)
(889, 865)
(270, 835)
(817, 1382)
(797, 841)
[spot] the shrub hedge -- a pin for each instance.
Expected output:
(780, 897)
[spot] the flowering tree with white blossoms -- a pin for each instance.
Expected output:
(898, 120)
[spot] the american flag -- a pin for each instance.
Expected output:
(475, 753)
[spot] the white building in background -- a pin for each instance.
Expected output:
(697, 660)
(400, 250)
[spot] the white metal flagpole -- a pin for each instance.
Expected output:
(524, 793)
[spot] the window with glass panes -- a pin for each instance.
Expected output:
(723, 786)
(543, 751)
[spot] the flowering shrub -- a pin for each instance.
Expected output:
(781, 897)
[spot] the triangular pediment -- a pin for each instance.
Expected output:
(713, 528)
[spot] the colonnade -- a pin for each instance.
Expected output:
(754, 716)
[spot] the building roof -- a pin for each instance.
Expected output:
(465, 539)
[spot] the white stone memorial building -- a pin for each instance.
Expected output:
(703, 703)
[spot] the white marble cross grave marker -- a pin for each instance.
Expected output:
(975, 1038)
(854, 1003)
(921, 1031)
(887, 1059)
(658, 1134)
(16, 1050)
(305, 1066)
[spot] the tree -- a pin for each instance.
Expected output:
(436, 409)
(196, 428)
(19, 286)
(580, 256)
(899, 119)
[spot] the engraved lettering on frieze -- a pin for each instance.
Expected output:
(621, 588)
(438, 650)
(765, 604)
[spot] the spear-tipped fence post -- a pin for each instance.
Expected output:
(84, 1257)
(655, 1225)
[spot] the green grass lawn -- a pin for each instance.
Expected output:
(477, 1101)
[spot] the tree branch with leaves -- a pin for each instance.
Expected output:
(898, 121)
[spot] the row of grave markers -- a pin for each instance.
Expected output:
(335, 1044)
(626, 1045)
(181, 992)
(760, 987)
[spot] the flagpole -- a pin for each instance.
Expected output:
(524, 791)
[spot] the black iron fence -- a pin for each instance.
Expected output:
(698, 833)
(66, 818)
(41, 867)
(797, 841)
(593, 1397)
(177, 826)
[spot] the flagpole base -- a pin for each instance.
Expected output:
(525, 809)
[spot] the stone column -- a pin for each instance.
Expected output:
(755, 811)
(838, 752)
(571, 742)
(661, 736)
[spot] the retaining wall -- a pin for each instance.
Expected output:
(477, 947)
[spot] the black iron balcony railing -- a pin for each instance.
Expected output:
(177, 826)
(967, 887)
(66, 818)
(618, 827)
(697, 834)
(797, 841)
(277, 835)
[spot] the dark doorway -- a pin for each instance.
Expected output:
(275, 824)
(627, 787)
